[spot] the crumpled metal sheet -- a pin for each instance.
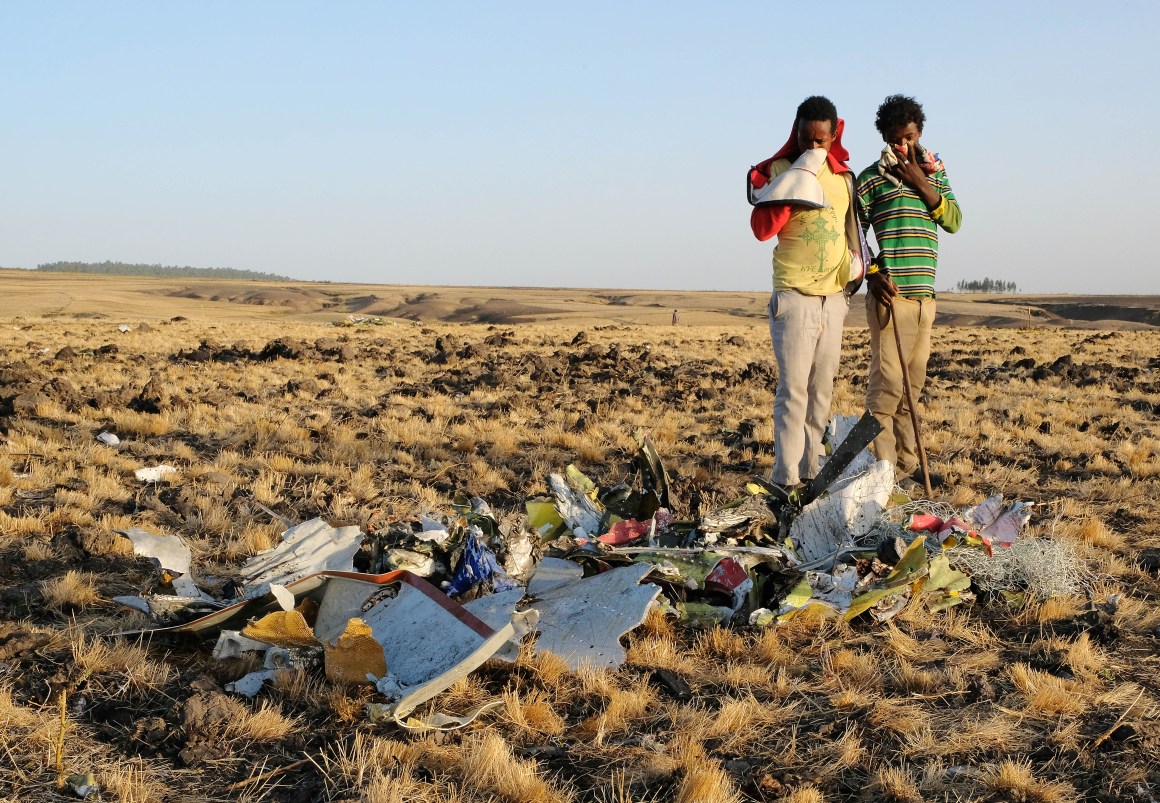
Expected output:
(232, 644)
(582, 621)
(307, 548)
(849, 510)
(238, 612)
(160, 606)
(998, 524)
(412, 561)
(734, 514)
(498, 610)
(553, 573)
(520, 560)
(578, 511)
(429, 640)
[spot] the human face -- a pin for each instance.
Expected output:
(903, 139)
(815, 134)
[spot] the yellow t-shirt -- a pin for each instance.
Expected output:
(811, 252)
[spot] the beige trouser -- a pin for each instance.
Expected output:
(807, 342)
(885, 396)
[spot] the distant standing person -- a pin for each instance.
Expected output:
(906, 196)
(804, 195)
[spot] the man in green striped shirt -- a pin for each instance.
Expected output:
(906, 196)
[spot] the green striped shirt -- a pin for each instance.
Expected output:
(905, 229)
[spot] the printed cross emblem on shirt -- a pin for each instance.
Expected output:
(820, 232)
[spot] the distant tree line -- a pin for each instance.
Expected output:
(135, 269)
(986, 286)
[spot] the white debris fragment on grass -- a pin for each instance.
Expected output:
(250, 684)
(154, 473)
(135, 603)
(171, 554)
(84, 785)
(109, 439)
(383, 713)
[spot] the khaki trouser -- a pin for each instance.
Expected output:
(807, 342)
(885, 396)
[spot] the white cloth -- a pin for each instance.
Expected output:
(797, 185)
(929, 162)
(888, 161)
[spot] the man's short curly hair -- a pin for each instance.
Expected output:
(897, 111)
(817, 108)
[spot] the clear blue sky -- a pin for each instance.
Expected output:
(593, 145)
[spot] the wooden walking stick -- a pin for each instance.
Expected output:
(913, 409)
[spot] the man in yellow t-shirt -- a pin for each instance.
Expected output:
(814, 273)
(811, 252)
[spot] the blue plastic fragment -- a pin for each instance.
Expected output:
(477, 564)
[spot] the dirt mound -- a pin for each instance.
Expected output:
(419, 307)
(359, 303)
(431, 307)
(950, 319)
(1064, 369)
(299, 299)
(1110, 312)
(282, 348)
(498, 310)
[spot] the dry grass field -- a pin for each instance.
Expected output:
(262, 398)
